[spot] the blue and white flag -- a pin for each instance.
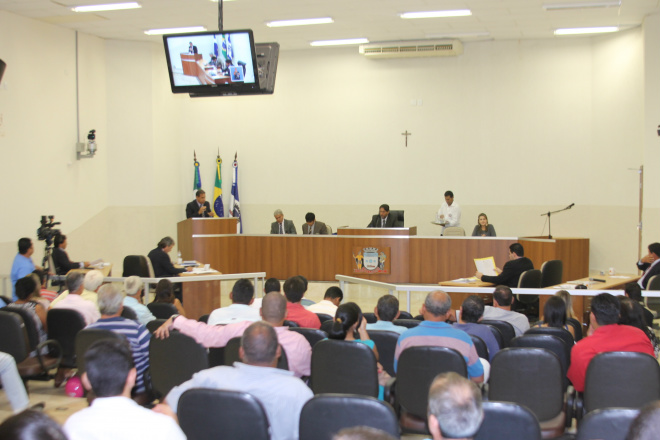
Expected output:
(197, 183)
(234, 204)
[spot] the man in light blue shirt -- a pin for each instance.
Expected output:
(133, 299)
(386, 311)
(23, 264)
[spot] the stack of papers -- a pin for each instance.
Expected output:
(466, 280)
(485, 265)
(200, 270)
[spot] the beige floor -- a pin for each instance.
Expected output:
(59, 406)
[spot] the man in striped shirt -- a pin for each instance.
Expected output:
(111, 306)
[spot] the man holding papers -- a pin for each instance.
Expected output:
(510, 274)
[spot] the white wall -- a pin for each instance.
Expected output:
(514, 128)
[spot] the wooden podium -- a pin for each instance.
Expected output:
(189, 63)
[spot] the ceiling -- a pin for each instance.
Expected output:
(376, 20)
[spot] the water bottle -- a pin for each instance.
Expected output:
(179, 260)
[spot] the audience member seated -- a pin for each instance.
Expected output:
(110, 373)
(386, 311)
(554, 315)
(137, 335)
(281, 394)
(434, 331)
(650, 264)
(22, 264)
(510, 273)
(634, 292)
(294, 290)
(165, 294)
(383, 218)
(271, 285)
(60, 258)
(43, 296)
(161, 262)
(483, 228)
(241, 296)
(604, 335)
(25, 288)
(646, 425)
(281, 225)
(331, 300)
(73, 300)
(455, 410)
(632, 313)
(31, 425)
(92, 280)
(501, 310)
(362, 433)
(134, 299)
(566, 297)
(311, 226)
(13, 385)
(273, 311)
(471, 312)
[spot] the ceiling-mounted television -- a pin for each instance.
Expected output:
(212, 63)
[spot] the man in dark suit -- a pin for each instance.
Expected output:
(510, 273)
(199, 207)
(161, 262)
(281, 225)
(192, 49)
(383, 219)
(311, 226)
(650, 264)
(60, 258)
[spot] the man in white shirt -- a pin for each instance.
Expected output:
(449, 213)
(501, 310)
(331, 300)
(242, 295)
(110, 373)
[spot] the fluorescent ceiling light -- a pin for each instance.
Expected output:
(591, 30)
(435, 14)
(581, 5)
(181, 30)
(299, 22)
(339, 42)
(107, 7)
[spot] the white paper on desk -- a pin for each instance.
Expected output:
(485, 265)
(202, 270)
(465, 280)
(97, 262)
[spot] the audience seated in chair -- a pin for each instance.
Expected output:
(31, 425)
(554, 315)
(281, 394)
(165, 294)
(92, 280)
(331, 300)
(25, 288)
(73, 300)
(646, 425)
(110, 374)
(273, 311)
(362, 433)
(294, 290)
(471, 312)
(454, 407)
(501, 310)
(134, 299)
(241, 296)
(386, 311)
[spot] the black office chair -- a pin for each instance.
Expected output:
(653, 284)
(129, 313)
(508, 421)
(406, 315)
(370, 317)
(563, 334)
(153, 325)
(63, 326)
(290, 324)
(224, 415)
(398, 218)
(386, 345)
(497, 334)
(137, 265)
(312, 335)
(408, 323)
(162, 310)
(529, 304)
(552, 272)
(505, 328)
(204, 318)
(344, 367)
(324, 317)
(86, 337)
(326, 326)
(174, 360)
(549, 342)
(577, 328)
(325, 415)
(606, 424)
(480, 346)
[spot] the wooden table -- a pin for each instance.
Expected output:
(105, 270)
(458, 298)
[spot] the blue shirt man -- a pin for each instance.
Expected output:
(23, 264)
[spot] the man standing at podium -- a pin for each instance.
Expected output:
(449, 213)
(382, 219)
(281, 225)
(199, 207)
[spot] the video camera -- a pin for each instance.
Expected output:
(46, 231)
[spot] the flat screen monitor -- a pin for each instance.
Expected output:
(213, 63)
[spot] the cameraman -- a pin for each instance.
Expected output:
(23, 264)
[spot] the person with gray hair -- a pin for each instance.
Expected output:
(73, 299)
(92, 280)
(111, 302)
(134, 297)
(281, 394)
(435, 331)
(280, 225)
(455, 409)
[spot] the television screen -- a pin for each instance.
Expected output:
(212, 62)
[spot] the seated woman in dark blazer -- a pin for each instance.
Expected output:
(483, 229)
(60, 258)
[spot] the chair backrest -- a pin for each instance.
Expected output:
(224, 415)
(549, 342)
(606, 424)
(313, 335)
(530, 279)
(406, 315)
(152, 326)
(14, 337)
(63, 326)
(290, 324)
(563, 334)
(30, 325)
(204, 318)
(345, 367)
(531, 377)
(408, 323)
(604, 386)
(370, 317)
(398, 218)
(162, 310)
(324, 317)
(129, 313)
(577, 327)
(456, 231)
(138, 265)
(231, 354)
(654, 283)
(479, 345)
(552, 272)
(416, 369)
(507, 421)
(505, 328)
(386, 345)
(496, 333)
(326, 326)
(86, 337)
(174, 360)
(324, 416)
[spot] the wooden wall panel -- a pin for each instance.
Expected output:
(377, 231)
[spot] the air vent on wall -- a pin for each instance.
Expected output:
(409, 49)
